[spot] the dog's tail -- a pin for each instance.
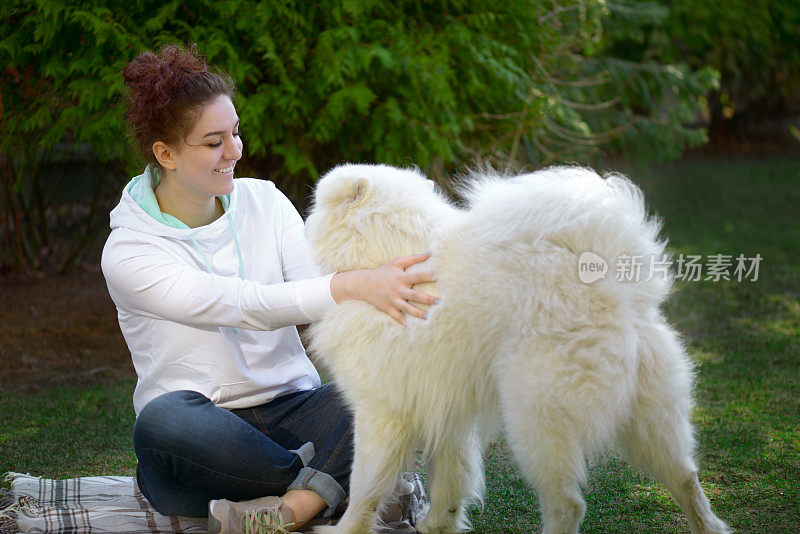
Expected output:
(601, 221)
(631, 244)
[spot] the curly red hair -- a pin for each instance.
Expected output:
(168, 92)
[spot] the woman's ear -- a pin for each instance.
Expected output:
(165, 155)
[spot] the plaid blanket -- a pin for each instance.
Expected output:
(90, 504)
(115, 504)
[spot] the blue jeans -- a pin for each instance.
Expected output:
(190, 451)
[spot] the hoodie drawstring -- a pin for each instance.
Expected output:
(238, 254)
(236, 243)
(205, 259)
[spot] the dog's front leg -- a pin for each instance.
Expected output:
(456, 475)
(382, 449)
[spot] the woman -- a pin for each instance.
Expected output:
(210, 275)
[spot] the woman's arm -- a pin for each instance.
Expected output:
(147, 279)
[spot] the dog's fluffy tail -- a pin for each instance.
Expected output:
(637, 257)
(576, 209)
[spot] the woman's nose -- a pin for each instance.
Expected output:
(234, 148)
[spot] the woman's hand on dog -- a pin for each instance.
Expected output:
(388, 287)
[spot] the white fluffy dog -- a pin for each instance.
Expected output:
(566, 367)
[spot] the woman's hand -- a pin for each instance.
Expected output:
(388, 287)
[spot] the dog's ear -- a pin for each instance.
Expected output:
(345, 186)
(358, 190)
(349, 191)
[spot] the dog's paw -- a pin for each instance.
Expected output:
(422, 529)
(340, 529)
(429, 528)
(450, 521)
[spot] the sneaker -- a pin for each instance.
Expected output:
(413, 503)
(395, 527)
(266, 515)
(395, 507)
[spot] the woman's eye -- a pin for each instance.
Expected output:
(219, 143)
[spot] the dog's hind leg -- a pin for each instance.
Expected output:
(561, 398)
(556, 470)
(382, 450)
(455, 471)
(552, 461)
(659, 436)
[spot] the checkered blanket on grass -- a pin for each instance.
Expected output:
(115, 504)
(90, 504)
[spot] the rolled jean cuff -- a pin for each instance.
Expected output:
(322, 484)
(305, 452)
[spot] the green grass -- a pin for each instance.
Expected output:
(744, 336)
(69, 430)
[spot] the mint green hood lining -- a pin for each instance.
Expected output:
(142, 191)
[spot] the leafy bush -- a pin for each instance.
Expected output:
(658, 97)
(434, 84)
(753, 45)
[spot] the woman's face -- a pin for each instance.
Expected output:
(204, 162)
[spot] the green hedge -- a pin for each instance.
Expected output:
(753, 46)
(432, 83)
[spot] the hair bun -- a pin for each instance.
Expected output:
(154, 80)
(164, 88)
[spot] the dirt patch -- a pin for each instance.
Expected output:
(59, 329)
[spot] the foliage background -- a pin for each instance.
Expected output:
(436, 84)
(432, 84)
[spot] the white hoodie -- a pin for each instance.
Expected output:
(212, 309)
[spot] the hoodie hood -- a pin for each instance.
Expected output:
(138, 210)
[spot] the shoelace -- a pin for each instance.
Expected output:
(264, 521)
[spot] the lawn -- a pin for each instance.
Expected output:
(744, 336)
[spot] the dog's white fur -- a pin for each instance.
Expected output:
(565, 367)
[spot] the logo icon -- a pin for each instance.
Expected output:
(591, 267)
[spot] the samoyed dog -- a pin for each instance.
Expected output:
(564, 367)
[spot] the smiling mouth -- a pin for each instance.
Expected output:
(226, 170)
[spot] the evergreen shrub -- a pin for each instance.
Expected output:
(435, 84)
